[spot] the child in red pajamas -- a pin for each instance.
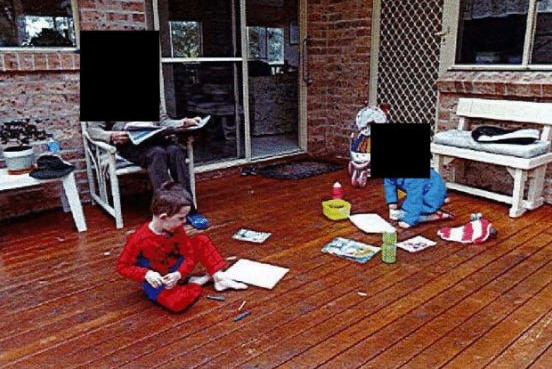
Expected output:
(159, 254)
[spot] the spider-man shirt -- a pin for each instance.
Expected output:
(146, 250)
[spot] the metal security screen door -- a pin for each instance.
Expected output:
(406, 63)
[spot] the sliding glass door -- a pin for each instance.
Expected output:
(237, 61)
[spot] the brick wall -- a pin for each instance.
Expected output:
(44, 86)
(530, 86)
(339, 65)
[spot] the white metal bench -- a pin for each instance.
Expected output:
(523, 162)
(103, 165)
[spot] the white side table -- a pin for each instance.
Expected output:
(69, 198)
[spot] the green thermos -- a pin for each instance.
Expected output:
(389, 247)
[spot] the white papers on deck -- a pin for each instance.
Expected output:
(255, 273)
(371, 223)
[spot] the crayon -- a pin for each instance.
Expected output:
(218, 298)
(242, 305)
(241, 316)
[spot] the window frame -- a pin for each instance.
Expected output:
(53, 49)
(451, 22)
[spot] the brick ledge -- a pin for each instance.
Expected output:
(515, 84)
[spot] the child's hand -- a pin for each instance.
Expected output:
(190, 122)
(119, 137)
(170, 280)
(404, 225)
(154, 279)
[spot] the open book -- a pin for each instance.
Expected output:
(350, 249)
(251, 236)
(139, 132)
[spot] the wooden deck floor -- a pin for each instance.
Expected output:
(451, 306)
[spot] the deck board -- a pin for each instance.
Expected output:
(451, 306)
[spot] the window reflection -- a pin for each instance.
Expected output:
(542, 48)
(492, 32)
(28, 23)
(185, 39)
(199, 28)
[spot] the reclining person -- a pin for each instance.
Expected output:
(163, 158)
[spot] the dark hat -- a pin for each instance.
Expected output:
(51, 166)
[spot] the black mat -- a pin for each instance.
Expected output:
(299, 169)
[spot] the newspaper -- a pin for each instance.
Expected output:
(139, 132)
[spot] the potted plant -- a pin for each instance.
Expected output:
(18, 153)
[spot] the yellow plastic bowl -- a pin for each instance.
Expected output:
(336, 209)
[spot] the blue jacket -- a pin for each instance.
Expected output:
(423, 195)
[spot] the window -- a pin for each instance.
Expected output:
(507, 32)
(30, 23)
(266, 43)
(185, 39)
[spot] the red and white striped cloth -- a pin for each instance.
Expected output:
(476, 231)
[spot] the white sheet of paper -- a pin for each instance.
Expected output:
(255, 273)
(416, 244)
(371, 223)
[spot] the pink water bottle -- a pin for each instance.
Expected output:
(337, 191)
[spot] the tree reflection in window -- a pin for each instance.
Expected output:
(185, 39)
(266, 43)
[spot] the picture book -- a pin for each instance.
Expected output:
(255, 273)
(350, 249)
(416, 244)
(249, 235)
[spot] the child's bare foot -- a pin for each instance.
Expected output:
(225, 284)
(404, 225)
(222, 282)
(440, 215)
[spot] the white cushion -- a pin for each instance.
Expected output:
(463, 139)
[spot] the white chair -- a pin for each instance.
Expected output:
(104, 166)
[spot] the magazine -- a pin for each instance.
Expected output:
(138, 132)
(416, 244)
(350, 249)
(251, 236)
